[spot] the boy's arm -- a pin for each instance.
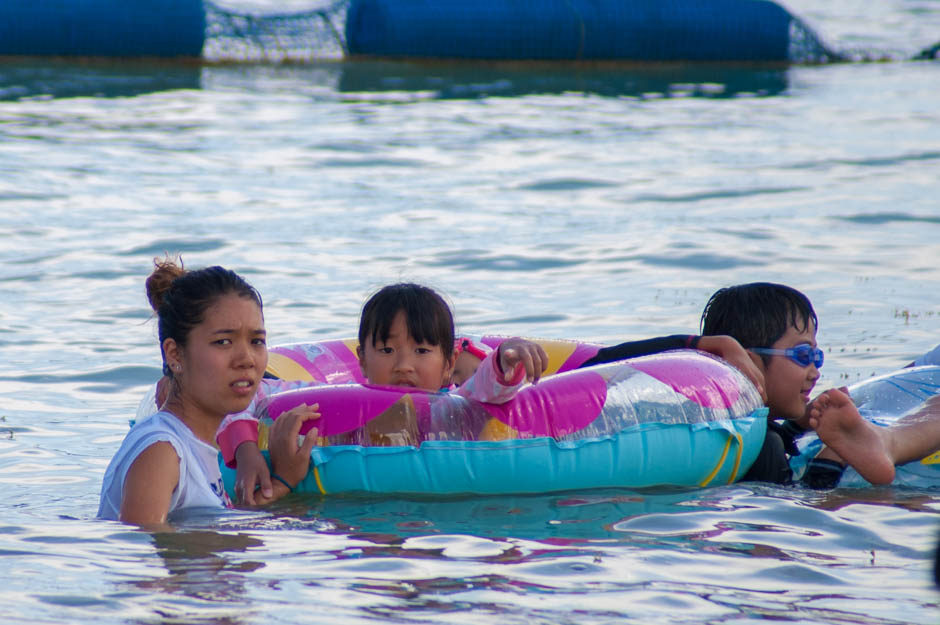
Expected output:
(725, 347)
(633, 349)
(728, 348)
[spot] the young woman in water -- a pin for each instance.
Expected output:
(212, 340)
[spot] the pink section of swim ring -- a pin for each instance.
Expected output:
(556, 406)
(582, 353)
(343, 407)
(331, 362)
(703, 379)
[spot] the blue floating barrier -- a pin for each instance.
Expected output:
(106, 28)
(644, 30)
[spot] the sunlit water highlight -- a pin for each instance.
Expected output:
(599, 203)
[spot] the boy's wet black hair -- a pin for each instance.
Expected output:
(427, 315)
(757, 314)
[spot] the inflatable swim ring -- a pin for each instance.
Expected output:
(679, 418)
(884, 400)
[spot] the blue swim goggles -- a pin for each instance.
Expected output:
(803, 355)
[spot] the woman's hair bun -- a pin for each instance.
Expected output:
(164, 273)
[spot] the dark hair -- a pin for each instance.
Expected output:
(180, 297)
(428, 316)
(757, 314)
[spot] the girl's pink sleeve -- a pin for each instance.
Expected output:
(238, 428)
(487, 384)
(242, 427)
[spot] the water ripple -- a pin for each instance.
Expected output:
(701, 261)
(104, 380)
(874, 161)
(877, 219)
(567, 184)
(717, 195)
(158, 248)
(469, 260)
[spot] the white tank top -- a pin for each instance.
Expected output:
(200, 482)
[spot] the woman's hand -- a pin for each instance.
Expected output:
(515, 353)
(252, 477)
(290, 460)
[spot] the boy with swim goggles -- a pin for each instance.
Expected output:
(778, 325)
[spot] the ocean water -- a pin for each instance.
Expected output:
(600, 203)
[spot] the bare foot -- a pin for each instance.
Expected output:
(858, 442)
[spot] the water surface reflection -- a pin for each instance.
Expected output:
(429, 80)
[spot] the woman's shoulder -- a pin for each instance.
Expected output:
(160, 426)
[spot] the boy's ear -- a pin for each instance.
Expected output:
(758, 361)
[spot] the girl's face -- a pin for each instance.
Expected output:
(788, 383)
(225, 356)
(401, 361)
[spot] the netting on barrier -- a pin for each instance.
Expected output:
(300, 37)
(806, 47)
(544, 30)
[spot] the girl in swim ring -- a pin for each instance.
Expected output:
(406, 339)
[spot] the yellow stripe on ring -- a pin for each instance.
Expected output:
(558, 352)
(737, 458)
(721, 461)
(316, 476)
(286, 368)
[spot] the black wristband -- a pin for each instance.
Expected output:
(275, 476)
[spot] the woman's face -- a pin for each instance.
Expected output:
(225, 356)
